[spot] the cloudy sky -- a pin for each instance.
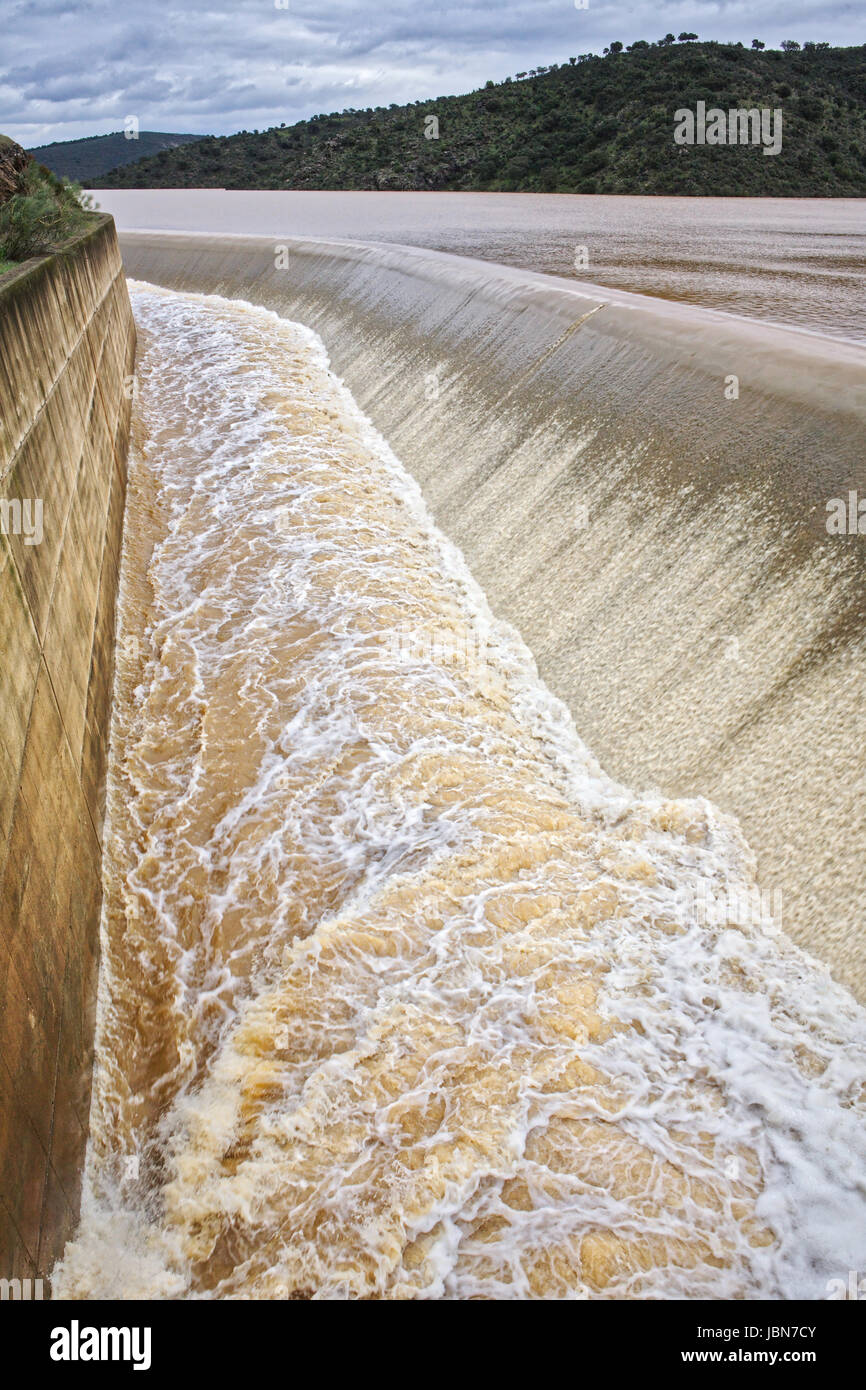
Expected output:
(216, 66)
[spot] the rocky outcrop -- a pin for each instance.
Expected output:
(13, 162)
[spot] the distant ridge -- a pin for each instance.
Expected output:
(589, 125)
(87, 159)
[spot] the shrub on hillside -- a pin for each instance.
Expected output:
(536, 134)
(45, 211)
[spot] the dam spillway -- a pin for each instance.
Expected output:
(401, 994)
(659, 544)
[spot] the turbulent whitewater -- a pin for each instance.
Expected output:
(400, 995)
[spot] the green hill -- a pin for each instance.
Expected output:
(590, 125)
(88, 159)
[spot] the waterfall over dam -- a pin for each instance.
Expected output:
(662, 548)
(427, 971)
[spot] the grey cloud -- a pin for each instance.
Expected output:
(216, 65)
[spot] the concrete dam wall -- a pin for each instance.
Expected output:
(67, 346)
(643, 490)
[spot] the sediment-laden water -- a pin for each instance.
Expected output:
(799, 261)
(401, 996)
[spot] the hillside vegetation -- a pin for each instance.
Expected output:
(589, 125)
(38, 211)
(88, 159)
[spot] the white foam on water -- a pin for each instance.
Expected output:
(401, 996)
